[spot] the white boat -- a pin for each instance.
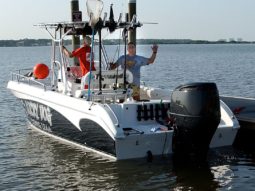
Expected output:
(105, 118)
(244, 110)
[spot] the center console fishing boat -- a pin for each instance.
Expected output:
(98, 112)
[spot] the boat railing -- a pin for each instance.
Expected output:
(108, 96)
(23, 78)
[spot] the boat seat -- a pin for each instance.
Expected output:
(108, 79)
(110, 90)
(106, 95)
(75, 71)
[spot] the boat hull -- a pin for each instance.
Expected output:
(94, 127)
(244, 109)
(51, 113)
(89, 133)
(92, 136)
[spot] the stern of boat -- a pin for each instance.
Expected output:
(227, 130)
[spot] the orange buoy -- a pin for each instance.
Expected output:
(41, 71)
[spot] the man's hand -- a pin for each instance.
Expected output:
(154, 54)
(154, 48)
(112, 65)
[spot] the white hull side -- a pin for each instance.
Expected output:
(227, 130)
(223, 137)
(138, 145)
(73, 109)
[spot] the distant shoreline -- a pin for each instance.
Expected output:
(47, 42)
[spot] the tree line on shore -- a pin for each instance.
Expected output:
(48, 42)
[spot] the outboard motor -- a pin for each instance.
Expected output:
(195, 108)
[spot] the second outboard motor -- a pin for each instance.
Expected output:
(195, 108)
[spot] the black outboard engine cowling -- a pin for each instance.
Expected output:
(195, 108)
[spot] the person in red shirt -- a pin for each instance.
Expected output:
(83, 54)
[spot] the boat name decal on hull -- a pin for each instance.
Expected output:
(40, 115)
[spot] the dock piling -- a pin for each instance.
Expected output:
(75, 39)
(132, 12)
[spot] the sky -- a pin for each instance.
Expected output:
(177, 19)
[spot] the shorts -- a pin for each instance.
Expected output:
(136, 92)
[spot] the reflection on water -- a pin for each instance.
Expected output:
(41, 163)
(194, 177)
(193, 173)
(224, 175)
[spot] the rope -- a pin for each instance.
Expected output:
(118, 50)
(91, 58)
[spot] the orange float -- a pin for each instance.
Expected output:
(41, 71)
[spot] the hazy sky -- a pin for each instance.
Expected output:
(178, 19)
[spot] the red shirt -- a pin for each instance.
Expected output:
(83, 54)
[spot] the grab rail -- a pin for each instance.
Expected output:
(117, 124)
(19, 77)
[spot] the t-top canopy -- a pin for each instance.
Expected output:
(84, 27)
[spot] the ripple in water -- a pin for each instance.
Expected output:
(31, 161)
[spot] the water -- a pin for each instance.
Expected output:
(31, 161)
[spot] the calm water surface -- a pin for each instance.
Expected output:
(31, 161)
